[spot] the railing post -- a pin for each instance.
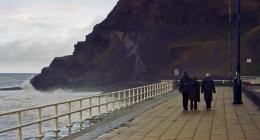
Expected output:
(80, 115)
(99, 102)
(90, 107)
(69, 125)
(129, 97)
(150, 91)
(119, 99)
(19, 123)
(56, 122)
(40, 135)
(124, 98)
(107, 104)
(134, 96)
(145, 92)
(138, 96)
(113, 97)
(160, 88)
(171, 85)
(163, 88)
(166, 87)
(156, 90)
(153, 90)
(141, 94)
(143, 89)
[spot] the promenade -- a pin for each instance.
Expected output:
(168, 121)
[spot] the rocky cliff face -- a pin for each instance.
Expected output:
(142, 40)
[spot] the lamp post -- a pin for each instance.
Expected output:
(229, 42)
(237, 85)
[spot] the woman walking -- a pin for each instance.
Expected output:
(194, 94)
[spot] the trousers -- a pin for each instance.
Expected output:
(208, 104)
(185, 100)
(193, 104)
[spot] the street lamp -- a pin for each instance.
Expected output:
(229, 41)
(237, 84)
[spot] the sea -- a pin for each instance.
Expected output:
(27, 97)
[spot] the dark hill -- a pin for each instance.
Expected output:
(142, 40)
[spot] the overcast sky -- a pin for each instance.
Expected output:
(33, 32)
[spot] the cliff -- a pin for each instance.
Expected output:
(142, 40)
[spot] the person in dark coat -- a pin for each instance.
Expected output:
(208, 88)
(184, 88)
(194, 94)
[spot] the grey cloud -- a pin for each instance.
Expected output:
(32, 36)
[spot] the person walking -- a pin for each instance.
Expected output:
(184, 88)
(194, 94)
(208, 88)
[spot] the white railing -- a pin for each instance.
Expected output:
(251, 79)
(248, 79)
(102, 103)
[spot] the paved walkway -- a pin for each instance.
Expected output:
(168, 122)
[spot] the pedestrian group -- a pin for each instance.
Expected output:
(190, 89)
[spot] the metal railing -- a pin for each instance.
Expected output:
(251, 79)
(247, 79)
(84, 109)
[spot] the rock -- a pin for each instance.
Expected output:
(49, 79)
(142, 40)
(11, 88)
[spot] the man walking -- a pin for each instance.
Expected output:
(184, 88)
(208, 88)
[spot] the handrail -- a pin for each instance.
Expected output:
(123, 98)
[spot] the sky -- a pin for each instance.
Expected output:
(33, 32)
